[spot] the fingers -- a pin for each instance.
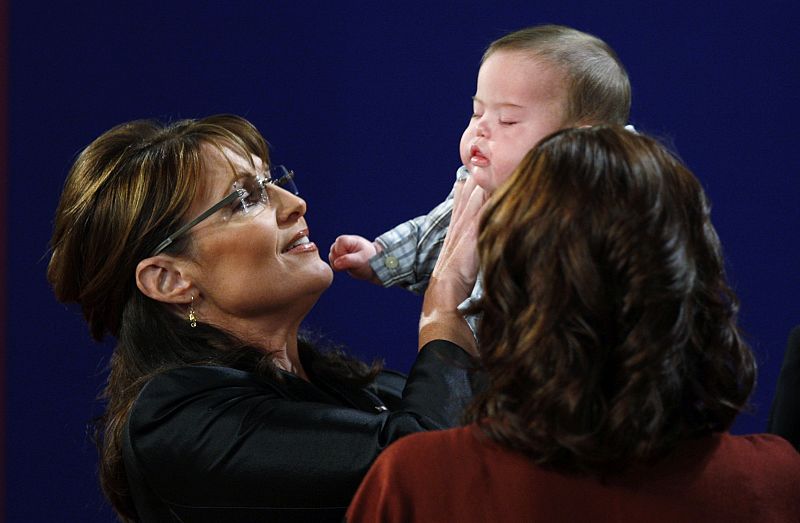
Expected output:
(347, 243)
(458, 188)
(464, 192)
(466, 213)
(340, 248)
(458, 257)
(474, 203)
(348, 262)
(352, 253)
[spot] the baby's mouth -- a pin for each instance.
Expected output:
(477, 158)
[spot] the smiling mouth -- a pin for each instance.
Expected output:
(300, 243)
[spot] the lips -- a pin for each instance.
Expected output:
(300, 243)
(477, 158)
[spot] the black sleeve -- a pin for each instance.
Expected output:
(205, 436)
(784, 417)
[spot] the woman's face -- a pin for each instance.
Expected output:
(250, 267)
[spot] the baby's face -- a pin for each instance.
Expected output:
(519, 101)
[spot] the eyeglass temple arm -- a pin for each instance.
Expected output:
(180, 232)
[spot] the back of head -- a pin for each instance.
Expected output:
(609, 332)
(599, 89)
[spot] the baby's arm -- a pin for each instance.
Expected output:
(404, 256)
(407, 254)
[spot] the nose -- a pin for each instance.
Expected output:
(482, 127)
(288, 206)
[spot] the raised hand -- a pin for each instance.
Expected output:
(352, 253)
(456, 271)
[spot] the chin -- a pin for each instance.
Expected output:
(328, 272)
(484, 181)
(323, 274)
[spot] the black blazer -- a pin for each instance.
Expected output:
(218, 444)
(784, 419)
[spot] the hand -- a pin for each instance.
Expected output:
(458, 259)
(456, 271)
(352, 253)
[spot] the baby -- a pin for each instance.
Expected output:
(531, 83)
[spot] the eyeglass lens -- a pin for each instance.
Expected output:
(283, 178)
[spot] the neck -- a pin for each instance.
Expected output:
(283, 350)
(273, 330)
(276, 336)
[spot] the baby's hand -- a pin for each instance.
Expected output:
(352, 253)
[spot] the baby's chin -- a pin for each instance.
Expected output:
(484, 179)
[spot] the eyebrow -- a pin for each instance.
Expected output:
(243, 175)
(504, 104)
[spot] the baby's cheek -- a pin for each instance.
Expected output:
(503, 174)
(464, 146)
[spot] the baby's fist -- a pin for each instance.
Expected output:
(352, 253)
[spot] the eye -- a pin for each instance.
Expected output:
(507, 123)
(250, 195)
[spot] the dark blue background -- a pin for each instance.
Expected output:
(366, 101)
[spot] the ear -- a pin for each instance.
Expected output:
(164, 279)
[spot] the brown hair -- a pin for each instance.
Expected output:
(608, 331)
(127, 191)
(598, 87)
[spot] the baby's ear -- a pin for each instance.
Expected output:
(164, 279)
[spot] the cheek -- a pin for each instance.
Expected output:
(512, 156)
(464, 145)
(239, 250)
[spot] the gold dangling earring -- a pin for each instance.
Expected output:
(192, 317)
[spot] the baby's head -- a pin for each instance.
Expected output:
(534, 82)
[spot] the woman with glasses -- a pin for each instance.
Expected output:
(183, 243)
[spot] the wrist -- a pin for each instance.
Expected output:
(445, 294)
(450, 326)
(441, 319)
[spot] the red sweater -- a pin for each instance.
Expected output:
(459, 475)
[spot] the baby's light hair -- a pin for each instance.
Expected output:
(598, 87)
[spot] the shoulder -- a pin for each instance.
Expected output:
(184, 394)
(422, 476)
(422, 458)
(766, 459)
(199, 379)
(425, 449)
(769, 449)
(758, 443)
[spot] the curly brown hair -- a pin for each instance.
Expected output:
(608, 331)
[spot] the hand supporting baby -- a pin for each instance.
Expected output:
(456, 271)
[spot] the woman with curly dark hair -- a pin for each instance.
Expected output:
(614, 362)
